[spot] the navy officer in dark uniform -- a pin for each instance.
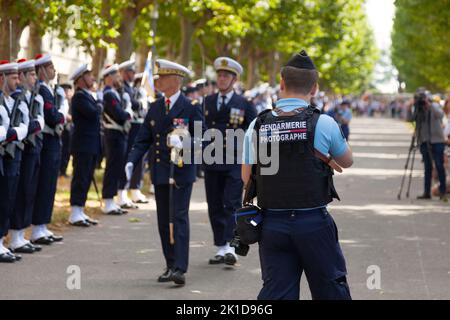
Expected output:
(29, 168)
(127, 72)
(174, 111)
(56, 109)
(15, 121)
(85, 148)
(117, 114)
(294, 187)
(225, 110)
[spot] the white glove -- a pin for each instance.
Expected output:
(129, 170)
(175, 142)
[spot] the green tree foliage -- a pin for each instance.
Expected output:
(420, 43)
(261, 34)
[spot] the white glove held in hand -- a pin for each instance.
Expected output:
(175, 142)
(129, 170)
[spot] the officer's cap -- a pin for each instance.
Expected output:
(138, 76)
(228, 64)
(190, 89)
(25, 65)
(7, 67)
(127, 65)
(301, 61)
(200, 83)
(166, 67)
(43, 59)
(110, 69)
(79, 72)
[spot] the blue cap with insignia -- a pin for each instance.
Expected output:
(301, 61)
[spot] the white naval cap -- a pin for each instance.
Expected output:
(109, 70)
(166, 67)
(138, 76)
(200, 82)
(7, 67)
(79, 72)
(42, 59)
(228, 64)
(25, 65)
(127, 65)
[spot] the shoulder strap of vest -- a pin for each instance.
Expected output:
(315, 115)
(261, 117)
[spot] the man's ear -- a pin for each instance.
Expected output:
(282, 85)
(314, 90)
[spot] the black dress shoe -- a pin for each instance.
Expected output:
(56, 238)
(230, 259)
(115, 213)
(141, 201)
(129, 206)
(16, 256)
(216, 260)
(178, 278)
(28, 248)
(81, 223)
(166, 276)
(7, 258)
(424, 197)
(44, 240)
(36, 247)
(92, 221)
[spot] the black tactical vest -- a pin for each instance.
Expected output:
(302, 180)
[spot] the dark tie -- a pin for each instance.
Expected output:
(167, 106)
(222, 104)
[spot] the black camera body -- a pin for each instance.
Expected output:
(239, 247)
(248, 228)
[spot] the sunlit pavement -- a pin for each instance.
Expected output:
(408, 241)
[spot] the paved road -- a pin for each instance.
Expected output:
(121, 258)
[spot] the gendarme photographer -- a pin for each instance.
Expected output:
(431, 140)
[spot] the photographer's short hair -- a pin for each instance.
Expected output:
(299, 80)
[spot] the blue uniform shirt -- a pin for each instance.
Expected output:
(328, 138)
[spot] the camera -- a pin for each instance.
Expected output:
(239, 247)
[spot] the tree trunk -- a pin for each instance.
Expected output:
(142, 53)
(187, 32)
(125, 40)
(5, 41)
(98, 60)
(35, 41)
(251, 69)
(274, 67)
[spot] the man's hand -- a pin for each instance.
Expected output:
(11, 135)
(129, 170)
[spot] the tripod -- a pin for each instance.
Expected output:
(418, 118)
(411, 152)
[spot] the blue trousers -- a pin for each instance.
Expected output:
(47, 182)
(9, 182)
(115, 147)
(138, 172)
(296, 241)
(177, 255)
(224, 197)
(26, 192)
(84, 165)
(437, 154)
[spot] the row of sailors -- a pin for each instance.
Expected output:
(128, 137)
